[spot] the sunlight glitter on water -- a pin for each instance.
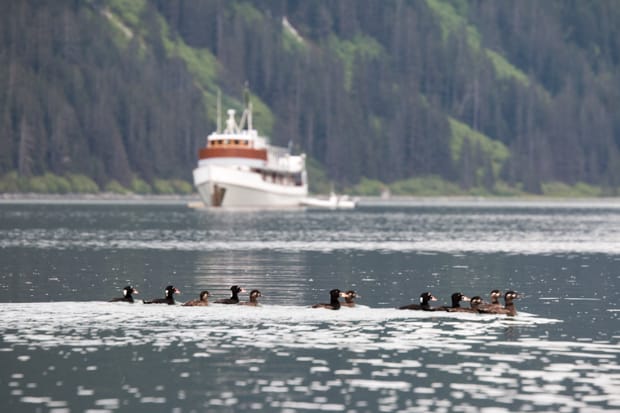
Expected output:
(67, 356)
(471, 345)
(479, 243)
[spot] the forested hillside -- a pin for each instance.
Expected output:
(482, 96)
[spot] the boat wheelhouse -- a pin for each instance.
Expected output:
(239, 168)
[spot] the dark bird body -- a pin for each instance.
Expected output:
(424, 303)
(334, 303)
(254, 294)
(456, 302)
(170, 291)
(127, 295)
(474, 305)
(509, 307)
(494, 305)
(202, 301)
(234, 298)
(349, 298)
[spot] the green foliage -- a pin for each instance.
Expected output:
(249, 13)
(497, 151)
(504, 68)
(425, 186)
(56, 184)
(200, 63)
(38, 185)
(348, 51)
(430, 186)
(163, 187)
(262, 118)
(116, 188)
(82, 184)
(502, 189)
(562, 190)
(139, 186)
(129, 87)
(130, 10)
(368, 187)
(11, 183)
(182, 187)
(47, 184)
(291, 40)
(123, 34)
(453, 19)
(171, 187)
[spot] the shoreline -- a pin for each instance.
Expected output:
(104, 197)
(363, 201)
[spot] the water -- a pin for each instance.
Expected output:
(64, 349)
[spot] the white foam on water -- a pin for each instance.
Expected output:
(380, 384)
(467, 344)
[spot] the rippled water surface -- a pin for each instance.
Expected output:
(63, 348)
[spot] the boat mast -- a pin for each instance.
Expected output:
(219, 110)
(248, 105)
(247, 112)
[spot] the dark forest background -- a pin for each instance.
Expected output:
(479, 95)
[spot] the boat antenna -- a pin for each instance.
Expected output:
(248, 104)
(219, 110)
(247, 111)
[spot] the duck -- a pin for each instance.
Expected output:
(349, 298)
(202, 301)
(456, 300)
(127, 295)
(234, 298)
(508, 308)
(254, 294)
(334, 303)
(169, 291)
(474, 303)
(494, 304)
(424, 305)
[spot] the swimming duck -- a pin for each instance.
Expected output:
(202, 301)
(127, 295)
(234, 298)
(349, 298)
(474, 303)
(456, 299)
(254, 294)
(509, 307)
(424, 305)
(170, 291)
(334, 303)
(494, 304)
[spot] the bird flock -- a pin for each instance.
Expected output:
(477, 305)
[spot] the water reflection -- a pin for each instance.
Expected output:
(281, 279)
(506, 230)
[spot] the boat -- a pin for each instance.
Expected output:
(333, 202)
(239, 168)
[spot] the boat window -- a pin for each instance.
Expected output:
(298, 179)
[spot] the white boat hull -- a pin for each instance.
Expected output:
(333, 202)
(227, 186)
